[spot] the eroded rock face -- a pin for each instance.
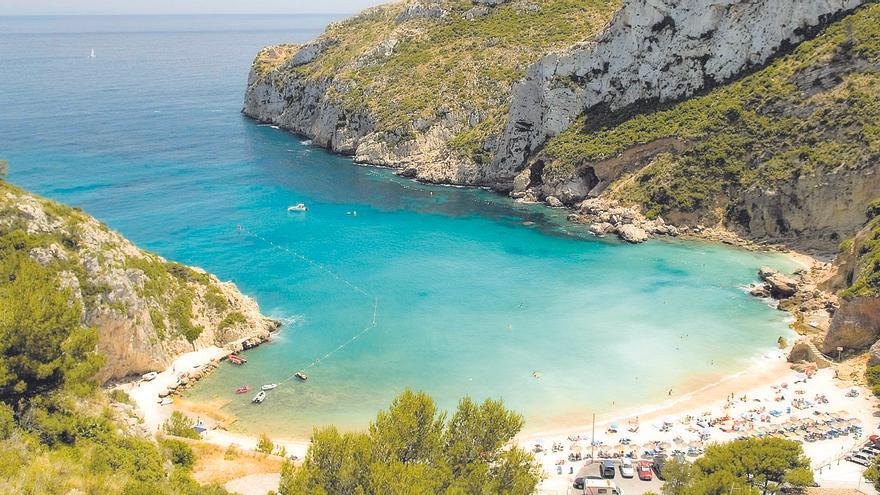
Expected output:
(658, 50)
(856, 325)
(814, 212)
(136, 330)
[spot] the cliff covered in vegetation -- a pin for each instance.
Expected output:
(559, 102)
(145, 309)
(422, 86)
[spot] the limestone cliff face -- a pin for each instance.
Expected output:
(812, 212)
(419, 85)
(856, 325)
(146, 310)
(653, 50)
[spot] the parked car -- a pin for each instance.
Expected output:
(607, 468)
(601, 487)
(873, 449)
(626, 469)
(859, 459)
(645, 470)
(659, 461)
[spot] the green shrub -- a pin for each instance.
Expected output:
(265, 445)
(232, 319)
(179, 453)
(180, 426)
(119, 395)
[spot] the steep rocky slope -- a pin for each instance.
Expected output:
(420, 85)
(146, 310)
(856, 325)
(668, 92)
(787, 154)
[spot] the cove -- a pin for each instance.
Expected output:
(472, 292)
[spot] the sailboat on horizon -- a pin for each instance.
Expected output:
(92, 55)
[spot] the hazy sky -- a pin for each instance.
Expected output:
(41, 7)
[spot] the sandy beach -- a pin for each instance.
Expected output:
(767, 386)
(766, 398)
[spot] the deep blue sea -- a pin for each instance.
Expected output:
(471, 293)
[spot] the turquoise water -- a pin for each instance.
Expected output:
(473, 293)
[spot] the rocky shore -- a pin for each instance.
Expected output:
(187, 379)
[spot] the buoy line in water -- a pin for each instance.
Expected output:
(354, 287)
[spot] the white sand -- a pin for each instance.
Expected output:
(757, 383)
(712, 402)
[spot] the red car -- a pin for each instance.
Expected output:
(644, 471)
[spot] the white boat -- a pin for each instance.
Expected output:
(167, 401)
(302, 376)
(150, 376)
(298, 207)
(92, 55)
(269, 386)
(260, 397)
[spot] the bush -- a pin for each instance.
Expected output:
(119, 395)
(265, 445)
(179, 453)
(872, 375)
(179, 425)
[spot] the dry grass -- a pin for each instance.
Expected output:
(213, 465)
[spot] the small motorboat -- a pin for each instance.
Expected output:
(269, 386)
(150, 376)
(236, 359)
(298, 207)
(242, 390)
(260, 397)
(167, 401)
(302, 376)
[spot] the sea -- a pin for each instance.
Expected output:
(383, 284)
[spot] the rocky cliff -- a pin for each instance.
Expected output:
(146, 309)
(787, 153)
(856, 325)
(707, 112)
(419, 85)
(653, 51)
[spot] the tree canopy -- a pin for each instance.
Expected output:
(412, 448)
(751, 466)
(43, 344)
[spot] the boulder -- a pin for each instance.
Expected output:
(631, 233)
(601, 229)
(419, 11)
(781, 286)
(759, 290)
(478, 11)
(856, 325)
(554, 202)
(874, 354)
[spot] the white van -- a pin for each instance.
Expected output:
(601, 487)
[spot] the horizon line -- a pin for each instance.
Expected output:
(169, 14)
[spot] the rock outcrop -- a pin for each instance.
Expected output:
(653, 50)
(146, 310)
(856, 325)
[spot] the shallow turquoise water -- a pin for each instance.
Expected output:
(148, 138)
